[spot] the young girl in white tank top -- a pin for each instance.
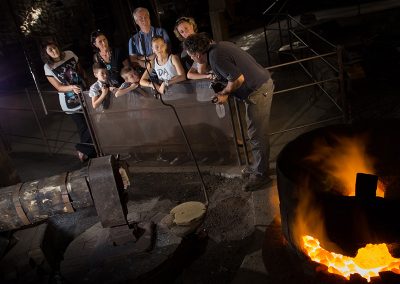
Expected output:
(167, 66)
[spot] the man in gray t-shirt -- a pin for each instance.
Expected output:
(249, 82)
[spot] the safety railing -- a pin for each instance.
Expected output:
(132, 123)
(290, 45)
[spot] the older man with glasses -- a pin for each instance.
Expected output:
(139, 45)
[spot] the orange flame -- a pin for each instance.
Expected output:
(342, 159)
(369, 261)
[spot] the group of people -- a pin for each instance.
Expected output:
(151, 64)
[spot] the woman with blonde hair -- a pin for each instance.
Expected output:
(184, 27)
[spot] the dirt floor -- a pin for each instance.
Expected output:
(227, 230)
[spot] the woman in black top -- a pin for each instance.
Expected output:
(112, 58)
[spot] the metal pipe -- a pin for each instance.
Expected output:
(188, 145)
(301, 60)
(306, 125)
(89, 124)
(305, 86)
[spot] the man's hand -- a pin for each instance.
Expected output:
(222, 98)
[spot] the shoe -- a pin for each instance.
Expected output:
(247, 171)
(82, 157)
(256, 182)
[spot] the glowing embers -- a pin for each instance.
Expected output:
(369, 261)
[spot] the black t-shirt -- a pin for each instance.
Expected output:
(114, 67)
(228, 62)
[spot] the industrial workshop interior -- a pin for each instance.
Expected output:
(213, 141)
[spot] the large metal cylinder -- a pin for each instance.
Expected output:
(30, 202)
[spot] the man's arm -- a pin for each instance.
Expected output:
(230, 88)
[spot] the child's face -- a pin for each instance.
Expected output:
(159, 46)
(101, 75)
(185, 29)
(131, 77)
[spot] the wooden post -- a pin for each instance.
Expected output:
(219, 25)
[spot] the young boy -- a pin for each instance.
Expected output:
(100, 90)
(132, 79)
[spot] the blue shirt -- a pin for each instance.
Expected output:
(135, 46)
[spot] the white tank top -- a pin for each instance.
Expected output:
(166, 71)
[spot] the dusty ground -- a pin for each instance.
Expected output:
(228, 223)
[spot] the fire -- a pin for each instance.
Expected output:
(342, 159)
(369, 261)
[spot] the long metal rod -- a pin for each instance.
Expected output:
(189, 147)
(305, 86)
(306, 125)
(301, 60)
(89, 125)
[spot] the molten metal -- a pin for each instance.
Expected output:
(369, 261)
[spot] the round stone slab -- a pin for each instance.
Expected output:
(186, 213)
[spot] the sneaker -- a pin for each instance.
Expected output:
(256, 182)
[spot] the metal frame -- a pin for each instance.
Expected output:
(292, 32)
